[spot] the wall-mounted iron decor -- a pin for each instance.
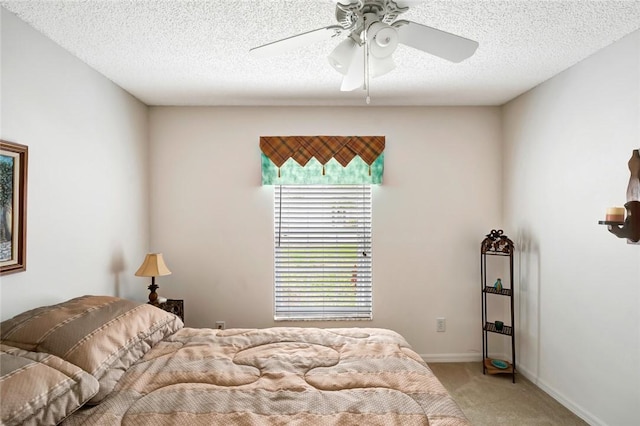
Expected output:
(13, 207)
(617, 224)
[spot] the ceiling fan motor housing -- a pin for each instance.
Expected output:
(349, 12)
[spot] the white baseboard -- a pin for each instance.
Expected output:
(464, 357)
(566, 402)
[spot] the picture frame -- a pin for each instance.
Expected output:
(14, 160)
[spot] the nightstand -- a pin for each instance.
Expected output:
(175, 306)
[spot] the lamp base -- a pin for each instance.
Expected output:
(153, 296)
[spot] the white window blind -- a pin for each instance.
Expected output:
(322, 252)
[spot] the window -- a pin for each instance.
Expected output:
(322, 252)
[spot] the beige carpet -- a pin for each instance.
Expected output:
(493, 400)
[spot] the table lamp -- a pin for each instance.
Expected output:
(153, 266)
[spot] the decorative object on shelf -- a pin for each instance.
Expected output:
(615, 214)
(498, 285)
(13, 207)
(153, 266)
(498, 363)
(497, 244)
(628, 228)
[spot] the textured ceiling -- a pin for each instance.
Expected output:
(171, 52)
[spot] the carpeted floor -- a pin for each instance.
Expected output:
(493, 400)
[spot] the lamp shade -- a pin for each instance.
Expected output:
(381, 66)
(342, 55)
(383, 39)
(153, 266)
(354, 79)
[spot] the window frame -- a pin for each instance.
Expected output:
(326, 229)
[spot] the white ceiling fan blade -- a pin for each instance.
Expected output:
(436, 42)
(296, 41)
(354, 79)
(408, 3)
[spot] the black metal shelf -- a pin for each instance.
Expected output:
(493, 290)
(497, 244)
(506, 330)
(496, 253)
(492, 369)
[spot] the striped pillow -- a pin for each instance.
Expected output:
(103, 335)
(40, 388)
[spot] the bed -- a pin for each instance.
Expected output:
(102, 360)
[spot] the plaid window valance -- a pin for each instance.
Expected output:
(322, 159)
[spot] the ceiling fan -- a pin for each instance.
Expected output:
(373, 36)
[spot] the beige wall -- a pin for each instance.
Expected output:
(87, 226)
(567, 143)
(441, 195)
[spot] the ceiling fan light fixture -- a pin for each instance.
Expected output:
(381, 66)
(342, 55)
(382, 39)
(354, 78)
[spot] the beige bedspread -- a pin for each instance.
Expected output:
(277, 376)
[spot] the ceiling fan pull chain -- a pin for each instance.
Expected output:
(366, 59)
(366, 56)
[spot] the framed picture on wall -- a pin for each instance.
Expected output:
(13, 207)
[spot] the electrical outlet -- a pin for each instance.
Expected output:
(441, 324)
(220, 325)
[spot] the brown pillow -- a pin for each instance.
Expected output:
(103, 335)
(40, 388)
